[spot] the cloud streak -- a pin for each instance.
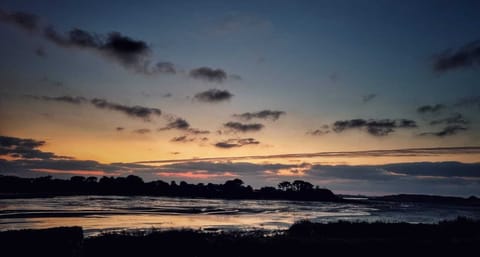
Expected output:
(264, 114)
(136, 111)
(405, 152)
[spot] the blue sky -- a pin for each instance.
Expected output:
(319, 63)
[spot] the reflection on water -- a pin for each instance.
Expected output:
(105, 213)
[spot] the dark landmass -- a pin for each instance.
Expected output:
(412, 198)
(16, 187)
(460, 237)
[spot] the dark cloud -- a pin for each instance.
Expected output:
(209, 74)
(467, 56)
(22, 20)
(136, 111)
(368, 98)
(456, 118)
(167, 95)
(142, 131)
(213, 96)
(397, 171)
(129, 52)
(325, 129)
(431, 108)
(436, 169)
(449, 130)
(24, 148)
(119, 128)
(380, 127)
(265, 114)
(236, 142)
(237, 126)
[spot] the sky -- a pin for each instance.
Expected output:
(361, 97)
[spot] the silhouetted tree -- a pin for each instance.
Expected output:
(285, 186)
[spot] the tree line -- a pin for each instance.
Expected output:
(134, 185)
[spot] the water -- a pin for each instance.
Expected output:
(112, 213)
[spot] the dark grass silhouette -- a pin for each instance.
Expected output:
(54, 242)
(460, 237)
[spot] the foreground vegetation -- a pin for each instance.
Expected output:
(460, 237)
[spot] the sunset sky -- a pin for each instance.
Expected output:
(367, 97)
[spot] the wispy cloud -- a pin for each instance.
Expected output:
(236, 142)
(183, 125)
(264, 114)
(431, 108)
(449, 130)
(325, 129)
(455, 118)
(241, 127)
(405, 152)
